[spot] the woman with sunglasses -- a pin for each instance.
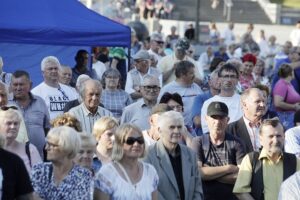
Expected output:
(126, 177)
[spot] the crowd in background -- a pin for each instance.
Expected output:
(154, 121)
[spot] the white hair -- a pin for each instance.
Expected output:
(68, 139)
(49, 59)
(170, 115)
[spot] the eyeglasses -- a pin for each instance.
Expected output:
(5, 108)
(155, 88)
(51, 145)
(176, 107)
(132, 140)
(112, 77)
(229, 76)
(159, 42)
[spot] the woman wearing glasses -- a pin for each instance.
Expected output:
(113, 97)
(62, 179)
(126, 177)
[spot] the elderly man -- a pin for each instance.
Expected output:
(184, 85)
(33, 109)
(79, 84)
(228, 77)
(175, 164)
(135, 76)
(219, 153)
(166, 64)
(261, 173)
(247, 127)
(151, 135)
(65, 75)
(89, 110)
(55, 94)
(138, 112)
(156, 46)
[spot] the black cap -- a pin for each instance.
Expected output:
(217, 108)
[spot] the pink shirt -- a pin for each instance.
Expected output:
(287, 91)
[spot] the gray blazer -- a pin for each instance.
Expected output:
(167, 187)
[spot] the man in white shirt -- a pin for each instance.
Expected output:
(55, 94)
(227, 36)
(228, 77)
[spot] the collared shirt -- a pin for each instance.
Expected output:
(133, 82)
(137, 113)
(272, 176)
(292, 141)
(177, 168)
(86, 118)
(253, 131)
(37, 119)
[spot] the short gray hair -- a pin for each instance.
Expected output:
(68, 140)
(167, 116)
(82, 89)
(49, 59)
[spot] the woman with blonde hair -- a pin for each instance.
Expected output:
(66, 120)
(62, 178)
(104, 132)
(9, 127)
(126, 177)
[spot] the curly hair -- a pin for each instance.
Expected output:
(66, 120)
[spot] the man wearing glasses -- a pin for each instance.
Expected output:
(261, 173)
(228, 77)
(156, 46)
(135, 75)
(138, 113)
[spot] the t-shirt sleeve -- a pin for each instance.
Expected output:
(280, 89)
(153, 174)
(38, 173)
(23, 184)
(243, 181)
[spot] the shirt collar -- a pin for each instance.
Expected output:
(87, 112)
(263, 154)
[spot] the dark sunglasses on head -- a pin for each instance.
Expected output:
(5, 108)
(160, 42)
(132, 140)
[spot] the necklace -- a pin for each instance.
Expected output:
(126, 174)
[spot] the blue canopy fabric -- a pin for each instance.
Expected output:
(58, 22)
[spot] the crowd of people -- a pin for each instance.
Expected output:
(158, 125)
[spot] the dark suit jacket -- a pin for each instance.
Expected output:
(239, 129)
(167, 187)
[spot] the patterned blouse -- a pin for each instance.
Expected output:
(109, 181)
(76, 185)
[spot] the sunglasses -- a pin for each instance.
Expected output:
(132, 140)
(5, 108)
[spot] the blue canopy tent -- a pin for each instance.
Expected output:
(33, 29)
